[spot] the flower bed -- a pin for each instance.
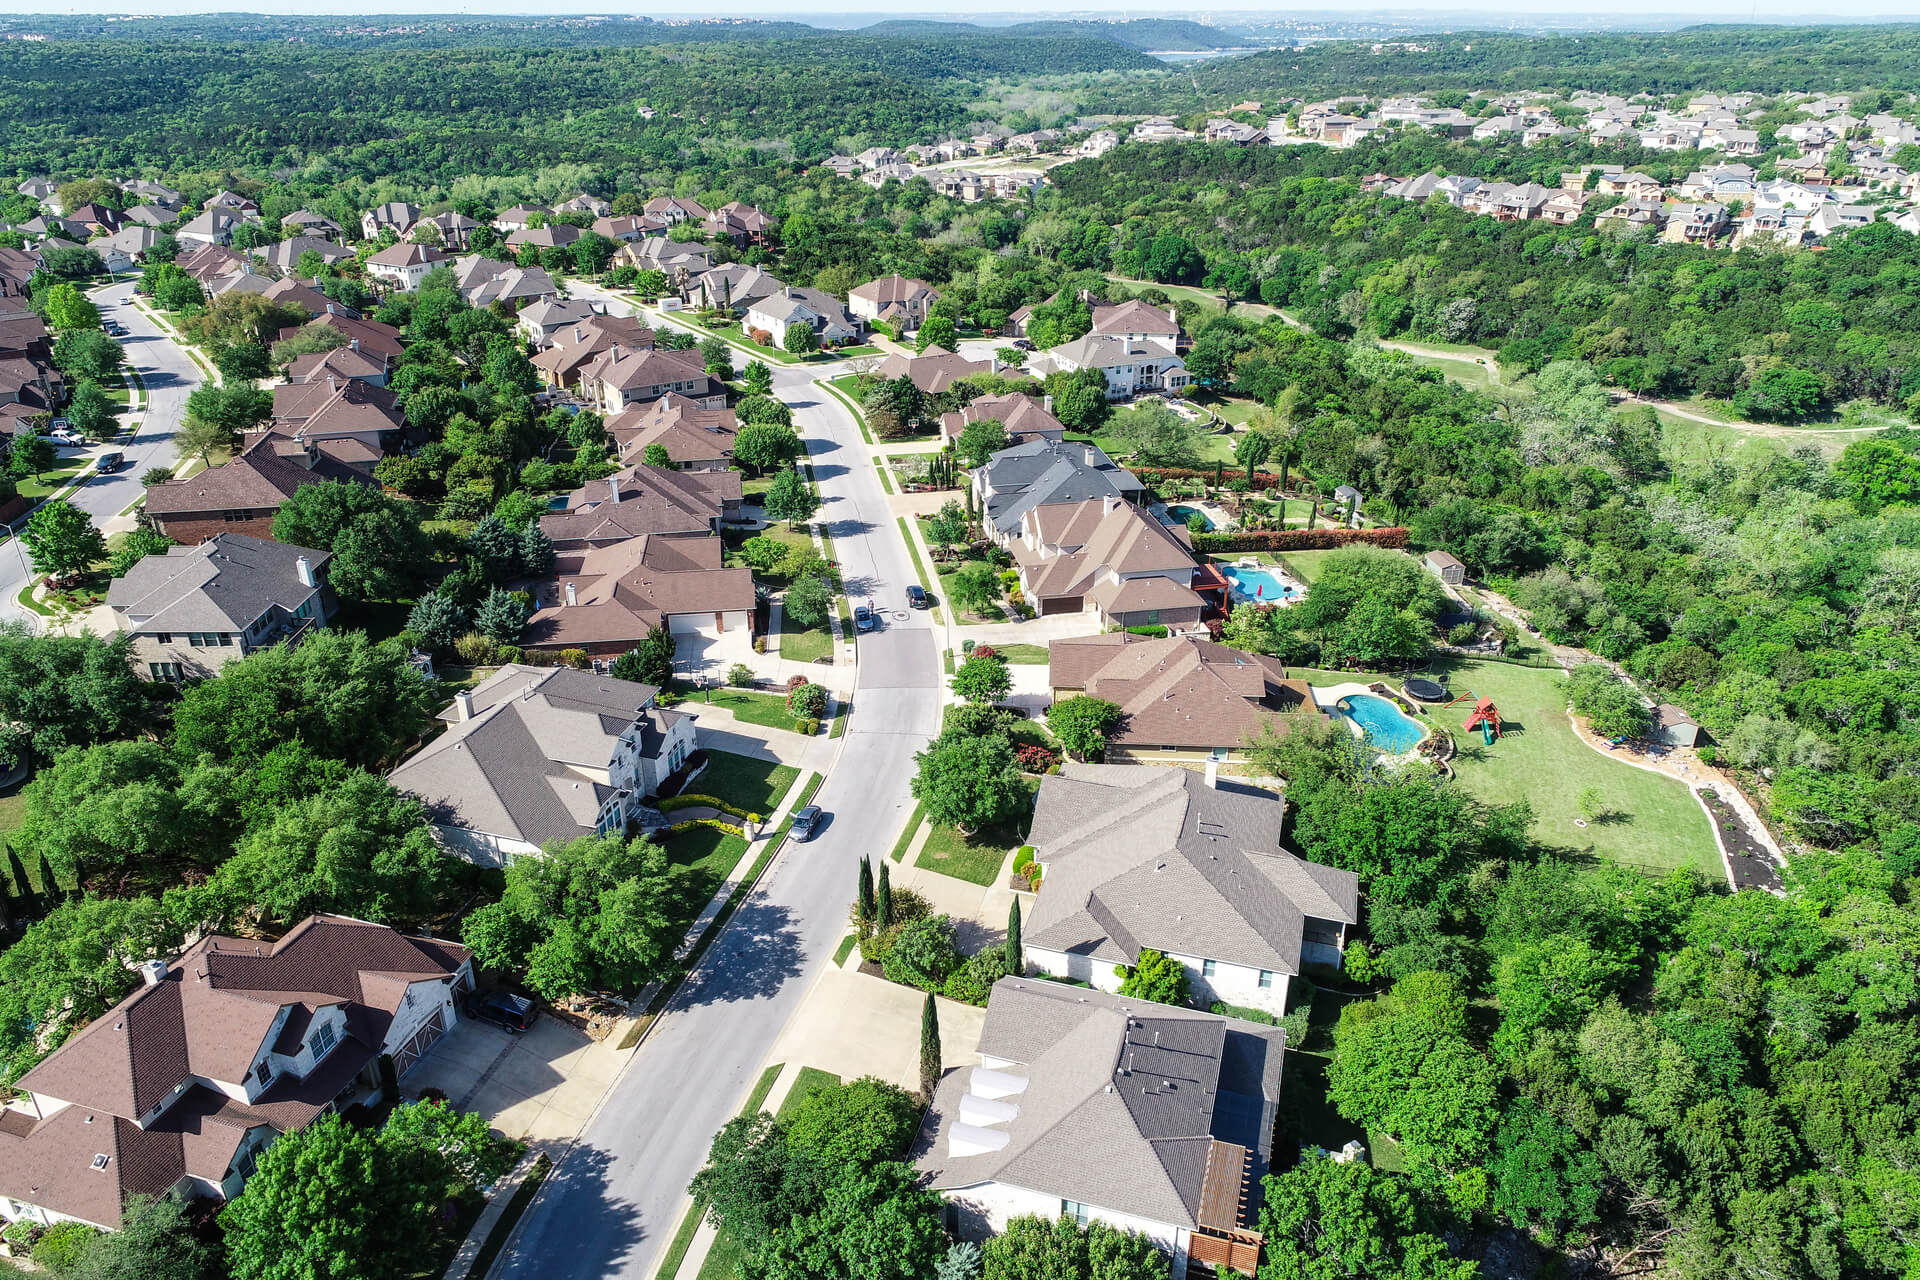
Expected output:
(1297, 539)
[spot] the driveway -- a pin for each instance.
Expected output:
(536, 1087)
(170, 376)
(613, 1201)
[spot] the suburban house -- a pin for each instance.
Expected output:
(369, 337)
(555, 235)
(642, 500)
(695, 439)
(620, 377)
(1038, 473)
(1137, 321)
(605, 600)
(540, 322)
(1182, 699)
(405, 265)
(215, 226)
(1107, 557)
(1147, 1117)
(185, 1082)
(284, 256)
(483, 281)
(520, 217)
(195, 609)
(351, 421)
(1159, 859)
(395, 215)
(540, 755)
(733, 288)
(1129, 365)
(305, 222)
(1023, 417)
(741, 223)
(240, 496)
(1448, 569)
(671, 209)
(576, 346)
(934, 370)
(818, 311)
(628, 229)
(340, 363)
(894, 300)
(449, 230)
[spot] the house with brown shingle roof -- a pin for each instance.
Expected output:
(605, 600)
(217, 1053)
(352, 421)
(696, 439)
(894, 300)
(341, 362)
(1024, 417)
(240, 496)
(367, 336)
(642, 500)
(620, 377)
(1137, 321)
(674, 209)
(1183, 700)
(405, 265)
(740, 223)
(572, 348)
(1109, 558)
(934, 370)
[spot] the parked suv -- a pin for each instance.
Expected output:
(503, 1009)
(916, 596)
(110, 462)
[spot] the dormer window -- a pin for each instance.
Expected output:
(323, 1038)
(264, 1072)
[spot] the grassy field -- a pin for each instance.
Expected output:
(1685, 441)
(53, 479)
(13, 811)
(1304, 565)
(1212, 448)
(792, 539)
(1235, 409)
(753, 785)
(1651, 823)
(700, 859)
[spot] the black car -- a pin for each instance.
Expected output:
(916, 596)
(806, 821)
(503, 1009)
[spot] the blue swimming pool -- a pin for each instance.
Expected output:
(1182, 515)
(1383, 724)
(1257, 584)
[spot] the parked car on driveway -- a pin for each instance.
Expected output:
(503, 1009)
(806, 822)
(916, 596)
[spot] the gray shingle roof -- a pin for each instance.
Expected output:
(221, 585)
(1041, 472)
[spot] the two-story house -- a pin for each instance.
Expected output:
(540, 755)
(1039, 472)
(893, 300)
(195, 609)
(818, 312)
(643, 499)
(405, 265)
(1129, 365)
(181, 1085)
(1106, 557)
(1140, 858)
(619, 377)
(241, 496)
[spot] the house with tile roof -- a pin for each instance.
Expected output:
(739, 222)
(367, 336)
(240, 496)
(181, 1085)
(1140, 858)
(534, 756)
(340, 363)
(349, 420)
(695, 438)
(1146, 1117)
(540, 322)
(305, 222)
(1041, 472)
(605, 600)
(1182, 699)
(1137, 321)
(675, 209)
(1107, 558)
(733, 288)
(641, 500)
(195, 609)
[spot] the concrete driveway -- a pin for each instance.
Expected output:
(538, 1086)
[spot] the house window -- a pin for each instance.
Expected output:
(264, 1072)
(1266, 979)
(163, 637)
(169, 671)
(322, 1041)
(1206, 968)
(1075, 1210)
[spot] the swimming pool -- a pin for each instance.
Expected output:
(1382, 724)
(1257, 584)
(1184, 514)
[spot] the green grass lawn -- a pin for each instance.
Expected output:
(808, 1081)
(907, 833)
(1211, 448)
(793, 539)
(13, 811)
(751, 784)
(975, 859)
(804, 644)
(53, 479)
(1235, 409)
(1304, 565)
(700, 859)
(966, 617)
(1653, 823)
(862, 349)
(1034, 655)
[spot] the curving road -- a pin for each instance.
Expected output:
(170, 376)
(613, 1202)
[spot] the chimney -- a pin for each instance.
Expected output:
(1213, 773)
(570, 596)
(153, 972)
(332, 383)
(613, 488)
(1108, 502)
(303, 570)
(353, 344)
(464, 701)
(1046, 402)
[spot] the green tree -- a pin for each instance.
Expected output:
(379, 551)
(650, 661)
(981, 440)
(156, 1241)
(90, 411)
(593, 914)
(1252, 449)
(948, 526)
(198, 438)
(438, 620)
(232, 409)
(969, 781)
(29, 455)
(60, 691)
(66, 307)
(461, 1139)
(138, 544)
(62, 540)
(1324, 1220)
(1611, 706)
(757, 378)
(718, 357)
(938, 331)
(763, 445)
(870, 1224)
(87, 353)
(863, 902)
(501, 617)
(808, 600)
(1059, 1248)
(1081, 723)
(800, 340)
(1156, 977)
(982, 680)
(975, 586)
(790, 498)
(656, 455)
(929, 1047)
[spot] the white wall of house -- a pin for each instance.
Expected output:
(992, 1204)
(480, 847)
(1082, 968)
(1234, 984)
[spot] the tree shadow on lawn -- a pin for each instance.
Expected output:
(756, 956)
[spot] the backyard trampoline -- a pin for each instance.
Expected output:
(1424, 690)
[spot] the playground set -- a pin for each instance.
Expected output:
(1485, 717)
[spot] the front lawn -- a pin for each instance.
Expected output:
(804, 644)
(700, 859)
(745, 781)
(974, 858)
(1023, 654)
(1650, 822)
(792, 539)
(54, 478)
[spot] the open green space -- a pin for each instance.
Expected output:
(53, 479)
(975, 858)
(1651, 821)
(792, 539)
(13, 811)
(744, 781)
(1304, 565)
(1234, 409)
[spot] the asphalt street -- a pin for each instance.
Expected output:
(170, 376)
(613, 1203)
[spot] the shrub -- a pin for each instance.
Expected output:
(1295, 1025)
(1157, 631)
(60, 1248)
(922, 953)
(1034, 758)
(680, 828)
(741, 676)
(1296, 539)
(1156, 977)
(908, 907)
(806, 725)
(693, 800)
(575, 658)
(973, 981)
(477, 650)
(1022, 858)
(807, 701)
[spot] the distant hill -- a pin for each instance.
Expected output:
(1139, 33)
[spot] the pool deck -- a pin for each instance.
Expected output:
(1325, 697)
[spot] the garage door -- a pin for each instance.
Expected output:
(416, 1047)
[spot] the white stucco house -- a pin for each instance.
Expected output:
(1131, 365)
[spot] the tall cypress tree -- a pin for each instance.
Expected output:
(883, 900)
(1014, 964)
(49, 883)
(863, 904)
(929, 1047)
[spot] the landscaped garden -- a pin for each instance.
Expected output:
(745, 781)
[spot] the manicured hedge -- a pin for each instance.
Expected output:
(1297, 539)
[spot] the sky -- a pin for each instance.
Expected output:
(835, 12)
